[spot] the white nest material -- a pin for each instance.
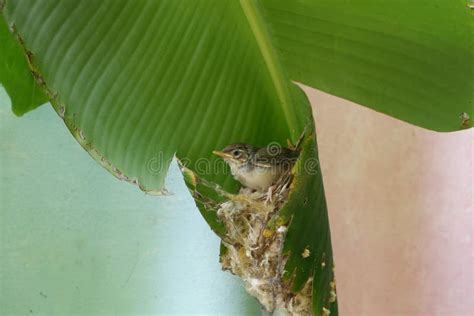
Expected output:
(254, 252)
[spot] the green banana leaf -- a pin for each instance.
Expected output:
(413, 60)
(140, 82)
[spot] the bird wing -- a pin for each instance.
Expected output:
(271, 156)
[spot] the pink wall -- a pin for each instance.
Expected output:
(401, 210)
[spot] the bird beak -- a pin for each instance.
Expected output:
(222, 154)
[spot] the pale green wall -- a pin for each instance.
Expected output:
(75, 240)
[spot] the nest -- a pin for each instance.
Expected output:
(254, 252)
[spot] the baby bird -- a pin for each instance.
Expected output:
(258, 168)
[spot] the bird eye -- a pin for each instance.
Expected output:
(236, 153)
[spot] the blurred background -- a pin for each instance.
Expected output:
(75, 240)
(401, 211)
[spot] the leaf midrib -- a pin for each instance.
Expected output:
(279, 81)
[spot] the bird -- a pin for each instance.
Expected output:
(258, 168)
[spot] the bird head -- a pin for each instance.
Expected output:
(236, 154)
